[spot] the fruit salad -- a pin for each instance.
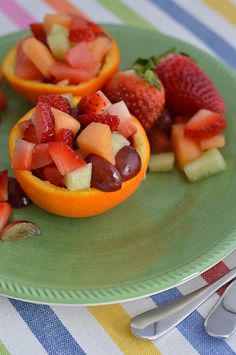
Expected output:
(64, 53)
(180, 109)
(96, 146)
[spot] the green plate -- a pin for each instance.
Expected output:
(167, 232)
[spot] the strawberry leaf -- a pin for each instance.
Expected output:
(146, 69)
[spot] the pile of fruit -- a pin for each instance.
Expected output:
(63, 49)
(12, 196)
(78, 148)
(180, 109)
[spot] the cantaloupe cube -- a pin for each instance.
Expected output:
(50, 20)
(64, 120)
(214, 142)
(100, 47)
(96, 139)
(185, 148)
(39, 54)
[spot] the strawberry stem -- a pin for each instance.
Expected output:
(146, 69)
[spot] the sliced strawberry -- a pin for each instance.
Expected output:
(61, 71)
(95, 28)
(30, 134)
(159, 142)
(38, 173)
(65, 157)
(39, 32)
(96, 103)
(127, 128)
(111, 120)
(4, 185)
(79, 34)
(66, 136)
(5, 214)
(205, 124)
(3, 101)
(41, 157)
(44, 122)
(57, 101)
(181, 119)
(79, 56)
(23, 154)
(53, 175)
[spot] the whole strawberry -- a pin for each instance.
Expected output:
(140, 89)
(188, 88)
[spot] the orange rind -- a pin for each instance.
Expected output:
(83, 203)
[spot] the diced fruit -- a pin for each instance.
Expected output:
(120, 109)
(96, 139)
(111, 120)
(97, 30)
(205, 124)
(159, 142)
(128, 162)
(66, 136)
(63, 71)
(165, 121)
(105, 176)
(95, 103)
(64, 157)
(23, 153)
(41, 157)
(30, 134)
(5, 214)
(78, 21)
(50, 20)
(58, 42)
(52, 175)
(63, 120)
(38, 173)
(19, 230)
(79, 56)
(3, 101)
(79, 34)
(79, 179)
(44, 122)
(127, 128)
(74, 112)
(209, 163)
(161, 162)
(23, 125)
(57, 101)
(26, 69)
(16, 196)
(39, 54)
(56, 27)
(39, 32)
(100, 47)
(118, 141)
(214, 142)
(181, 119)
(3, 185)
(185, 148)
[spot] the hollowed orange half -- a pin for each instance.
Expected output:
(30, 90)
(83, 203)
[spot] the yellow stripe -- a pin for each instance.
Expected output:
(115, 320)
(225, 8)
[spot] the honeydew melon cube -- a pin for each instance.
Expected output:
(118, 141)
(161, 162)
(79, 179)
(58, 42)
(120, 109)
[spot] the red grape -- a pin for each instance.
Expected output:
(16, 196)
(128, 162)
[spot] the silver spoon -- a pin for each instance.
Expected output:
(157, 322)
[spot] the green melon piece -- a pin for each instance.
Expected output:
(161, 162)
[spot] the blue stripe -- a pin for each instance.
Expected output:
(192, 328)
(48, 329)
(210, 38)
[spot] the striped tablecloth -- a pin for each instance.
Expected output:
(31, 329)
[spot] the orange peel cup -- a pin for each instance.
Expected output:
(83, 203)
(30, 90)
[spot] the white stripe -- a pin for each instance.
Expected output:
(36, 8)
(165, 345)
(86, 330)
(14, 332)
(160, 19)
(96, 11)
(192, 285)
(7, 26)
(210, 18)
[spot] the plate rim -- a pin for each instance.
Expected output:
(140, 289)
